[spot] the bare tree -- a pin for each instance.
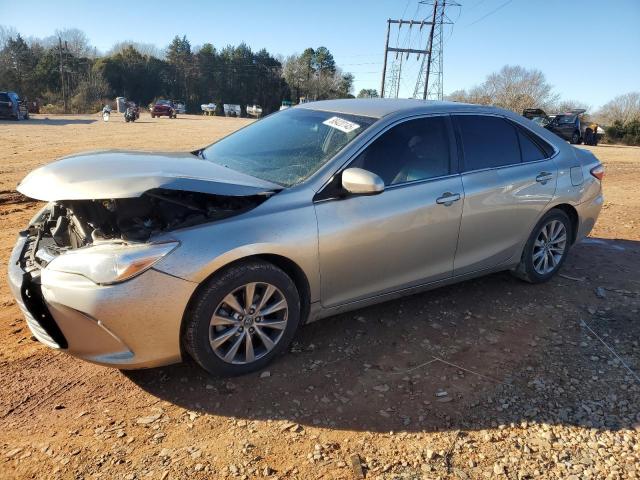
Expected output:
(624, 108)
(76, 40)
(513, 87)
(568, 105)
(6, 33)
(294, 73)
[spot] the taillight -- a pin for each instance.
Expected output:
(10, 104)
(598, 172)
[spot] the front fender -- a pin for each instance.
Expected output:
(205, 249)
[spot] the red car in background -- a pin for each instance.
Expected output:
(163, 108)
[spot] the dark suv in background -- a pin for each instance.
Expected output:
(567, 126)
(11, 106)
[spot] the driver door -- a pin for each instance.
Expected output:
(406, 235)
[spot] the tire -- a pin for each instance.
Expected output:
(531, 270)
(575, 139)
(153, 116)
(200, 334)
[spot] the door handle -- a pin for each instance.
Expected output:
(544, 177)
(448, 198)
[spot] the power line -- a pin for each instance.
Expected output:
(491, 12)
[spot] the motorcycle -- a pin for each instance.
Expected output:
(106, 112)
(132, 113)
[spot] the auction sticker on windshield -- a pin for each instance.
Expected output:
(341, 124)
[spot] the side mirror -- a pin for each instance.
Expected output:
(361, 182)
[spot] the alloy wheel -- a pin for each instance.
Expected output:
(248, 323)
(549, 247)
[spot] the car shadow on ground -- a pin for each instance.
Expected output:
(54, 122)
(475, 355)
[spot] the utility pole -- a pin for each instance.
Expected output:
(64, 95)
(384, 67)
(397, 68)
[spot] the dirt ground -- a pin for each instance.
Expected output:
(531, 390)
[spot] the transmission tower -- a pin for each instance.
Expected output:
(429, 81)
(429, 84)
(392, 89)
(390, 86)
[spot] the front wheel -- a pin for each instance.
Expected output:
(547, 248)
(242, 319)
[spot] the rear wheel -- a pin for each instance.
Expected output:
(575, 138)
(547, 248)
(242, 319)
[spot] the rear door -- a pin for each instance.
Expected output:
(508, 179)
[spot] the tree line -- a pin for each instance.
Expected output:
(65, 72)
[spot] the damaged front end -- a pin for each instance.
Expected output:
(78, 223)
(77, 270)
(111, 240)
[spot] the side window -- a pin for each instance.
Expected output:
(413, 150)
(530, 151)
(487, 141)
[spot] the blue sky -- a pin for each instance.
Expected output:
(588, 49)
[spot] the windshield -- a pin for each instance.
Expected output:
(163, 102)
(288, 146)
(542, 121)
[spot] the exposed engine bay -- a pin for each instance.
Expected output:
(73, 224)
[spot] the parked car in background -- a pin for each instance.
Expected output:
(568, 126)
(222, 253)
(163, 108)
(232, 110)
(208, 108)
(254, 111)
(11, 106)
(179, 106)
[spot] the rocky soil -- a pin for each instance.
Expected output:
(491, 378)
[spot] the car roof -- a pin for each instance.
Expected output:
(381, 107)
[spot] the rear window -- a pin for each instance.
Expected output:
(564, 119)
(487, 142)
(4, 97)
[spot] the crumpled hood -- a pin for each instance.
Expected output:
(121, 174)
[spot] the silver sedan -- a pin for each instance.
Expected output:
(140, 259)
